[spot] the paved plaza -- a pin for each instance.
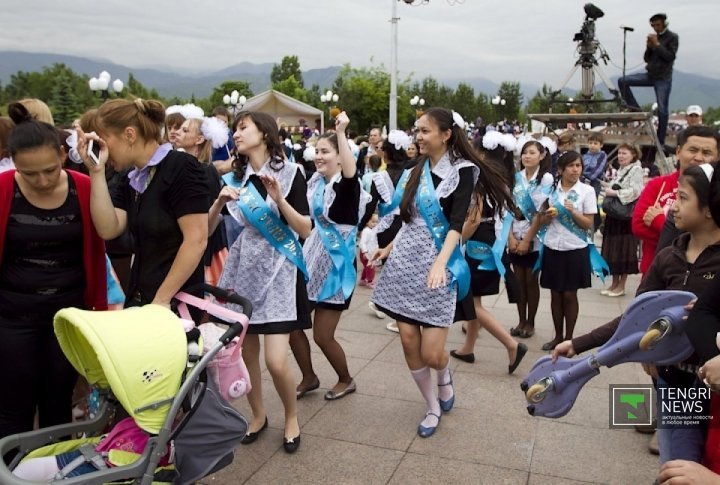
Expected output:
(488, 437)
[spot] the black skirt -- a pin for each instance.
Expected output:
(464, 311)
(565, 270)
(619, 246)
(303, 322)
(526, 260)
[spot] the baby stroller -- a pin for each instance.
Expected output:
(139, 358)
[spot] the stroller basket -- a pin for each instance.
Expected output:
(96, 343)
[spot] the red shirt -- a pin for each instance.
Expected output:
(664, 191)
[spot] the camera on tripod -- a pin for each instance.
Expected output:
(588, 47)
(587, 31)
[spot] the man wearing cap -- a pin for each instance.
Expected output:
(661, 49)
(693, 115)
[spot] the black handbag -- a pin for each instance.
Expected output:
(613, 207)
(617, 210)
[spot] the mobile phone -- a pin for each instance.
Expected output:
(93, 152)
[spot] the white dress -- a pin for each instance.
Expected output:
(316, 256)
(255, 269)
(402, 289)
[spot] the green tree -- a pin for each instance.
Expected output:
(510, 92)
(292, 88)
(540, 102)
(64, 103)
(364, 94)
(216, 97)
(288, 67)
(463, 101)
(136, 89)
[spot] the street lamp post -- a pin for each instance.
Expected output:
(331, 100)
(418, 103)
(234, 101)
(102, 85)
(498, 101)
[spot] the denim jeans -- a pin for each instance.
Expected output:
(662, 93)
(679, 443)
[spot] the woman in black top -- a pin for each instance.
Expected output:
(164, 199)
(334, 196)
(50, 258)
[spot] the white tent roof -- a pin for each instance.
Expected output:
(288, 110)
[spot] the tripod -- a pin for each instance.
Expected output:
(590, 67)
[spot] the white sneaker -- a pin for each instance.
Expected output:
(377, 312)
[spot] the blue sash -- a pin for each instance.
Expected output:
(386, 208)
(115, 294)
(230, 180)
(437, 224)
(341, 251)
(598, 265)
(522, 197)
(258, 214)
(491, 257)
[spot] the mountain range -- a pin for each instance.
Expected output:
(687, 88)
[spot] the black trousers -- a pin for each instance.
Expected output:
(35, 375)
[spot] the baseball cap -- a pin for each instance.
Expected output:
(694, 109)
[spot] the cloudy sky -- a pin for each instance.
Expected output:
(527, 40)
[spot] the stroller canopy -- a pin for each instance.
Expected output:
(139, 353)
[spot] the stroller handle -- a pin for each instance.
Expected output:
(237, 327)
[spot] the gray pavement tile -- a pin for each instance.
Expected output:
(248, 459)
(477, 437)
(590, 409)
(537, 479)
(385, 379)
(592, 454)
(483, 394)
(368, 420)
(325, 461)
(420, 469)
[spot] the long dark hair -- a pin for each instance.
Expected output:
(268, 127)
(491, 178)
(545, 161)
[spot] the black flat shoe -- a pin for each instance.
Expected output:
(515, 331)
(549, 345)
(469, 358)
(252, 437)
(519, 354)
(291, 445)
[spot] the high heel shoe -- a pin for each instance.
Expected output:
(252, 437)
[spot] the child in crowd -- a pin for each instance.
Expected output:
(368, 246)
(594, 163)
(374, 162)
(566, 258)
(126, 436)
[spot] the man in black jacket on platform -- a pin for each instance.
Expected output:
(659, 56)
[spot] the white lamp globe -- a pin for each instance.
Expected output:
(103, 83)
(226, 99)
(118, 85)
(93, 84)
(105, 75)
(323, 98)
(335, 98)
(242, 99)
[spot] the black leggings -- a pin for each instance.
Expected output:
(35, 375)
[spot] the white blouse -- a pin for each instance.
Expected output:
(558, 237)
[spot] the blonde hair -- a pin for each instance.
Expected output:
(38, 110)
(205, 148)
(146, 116)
